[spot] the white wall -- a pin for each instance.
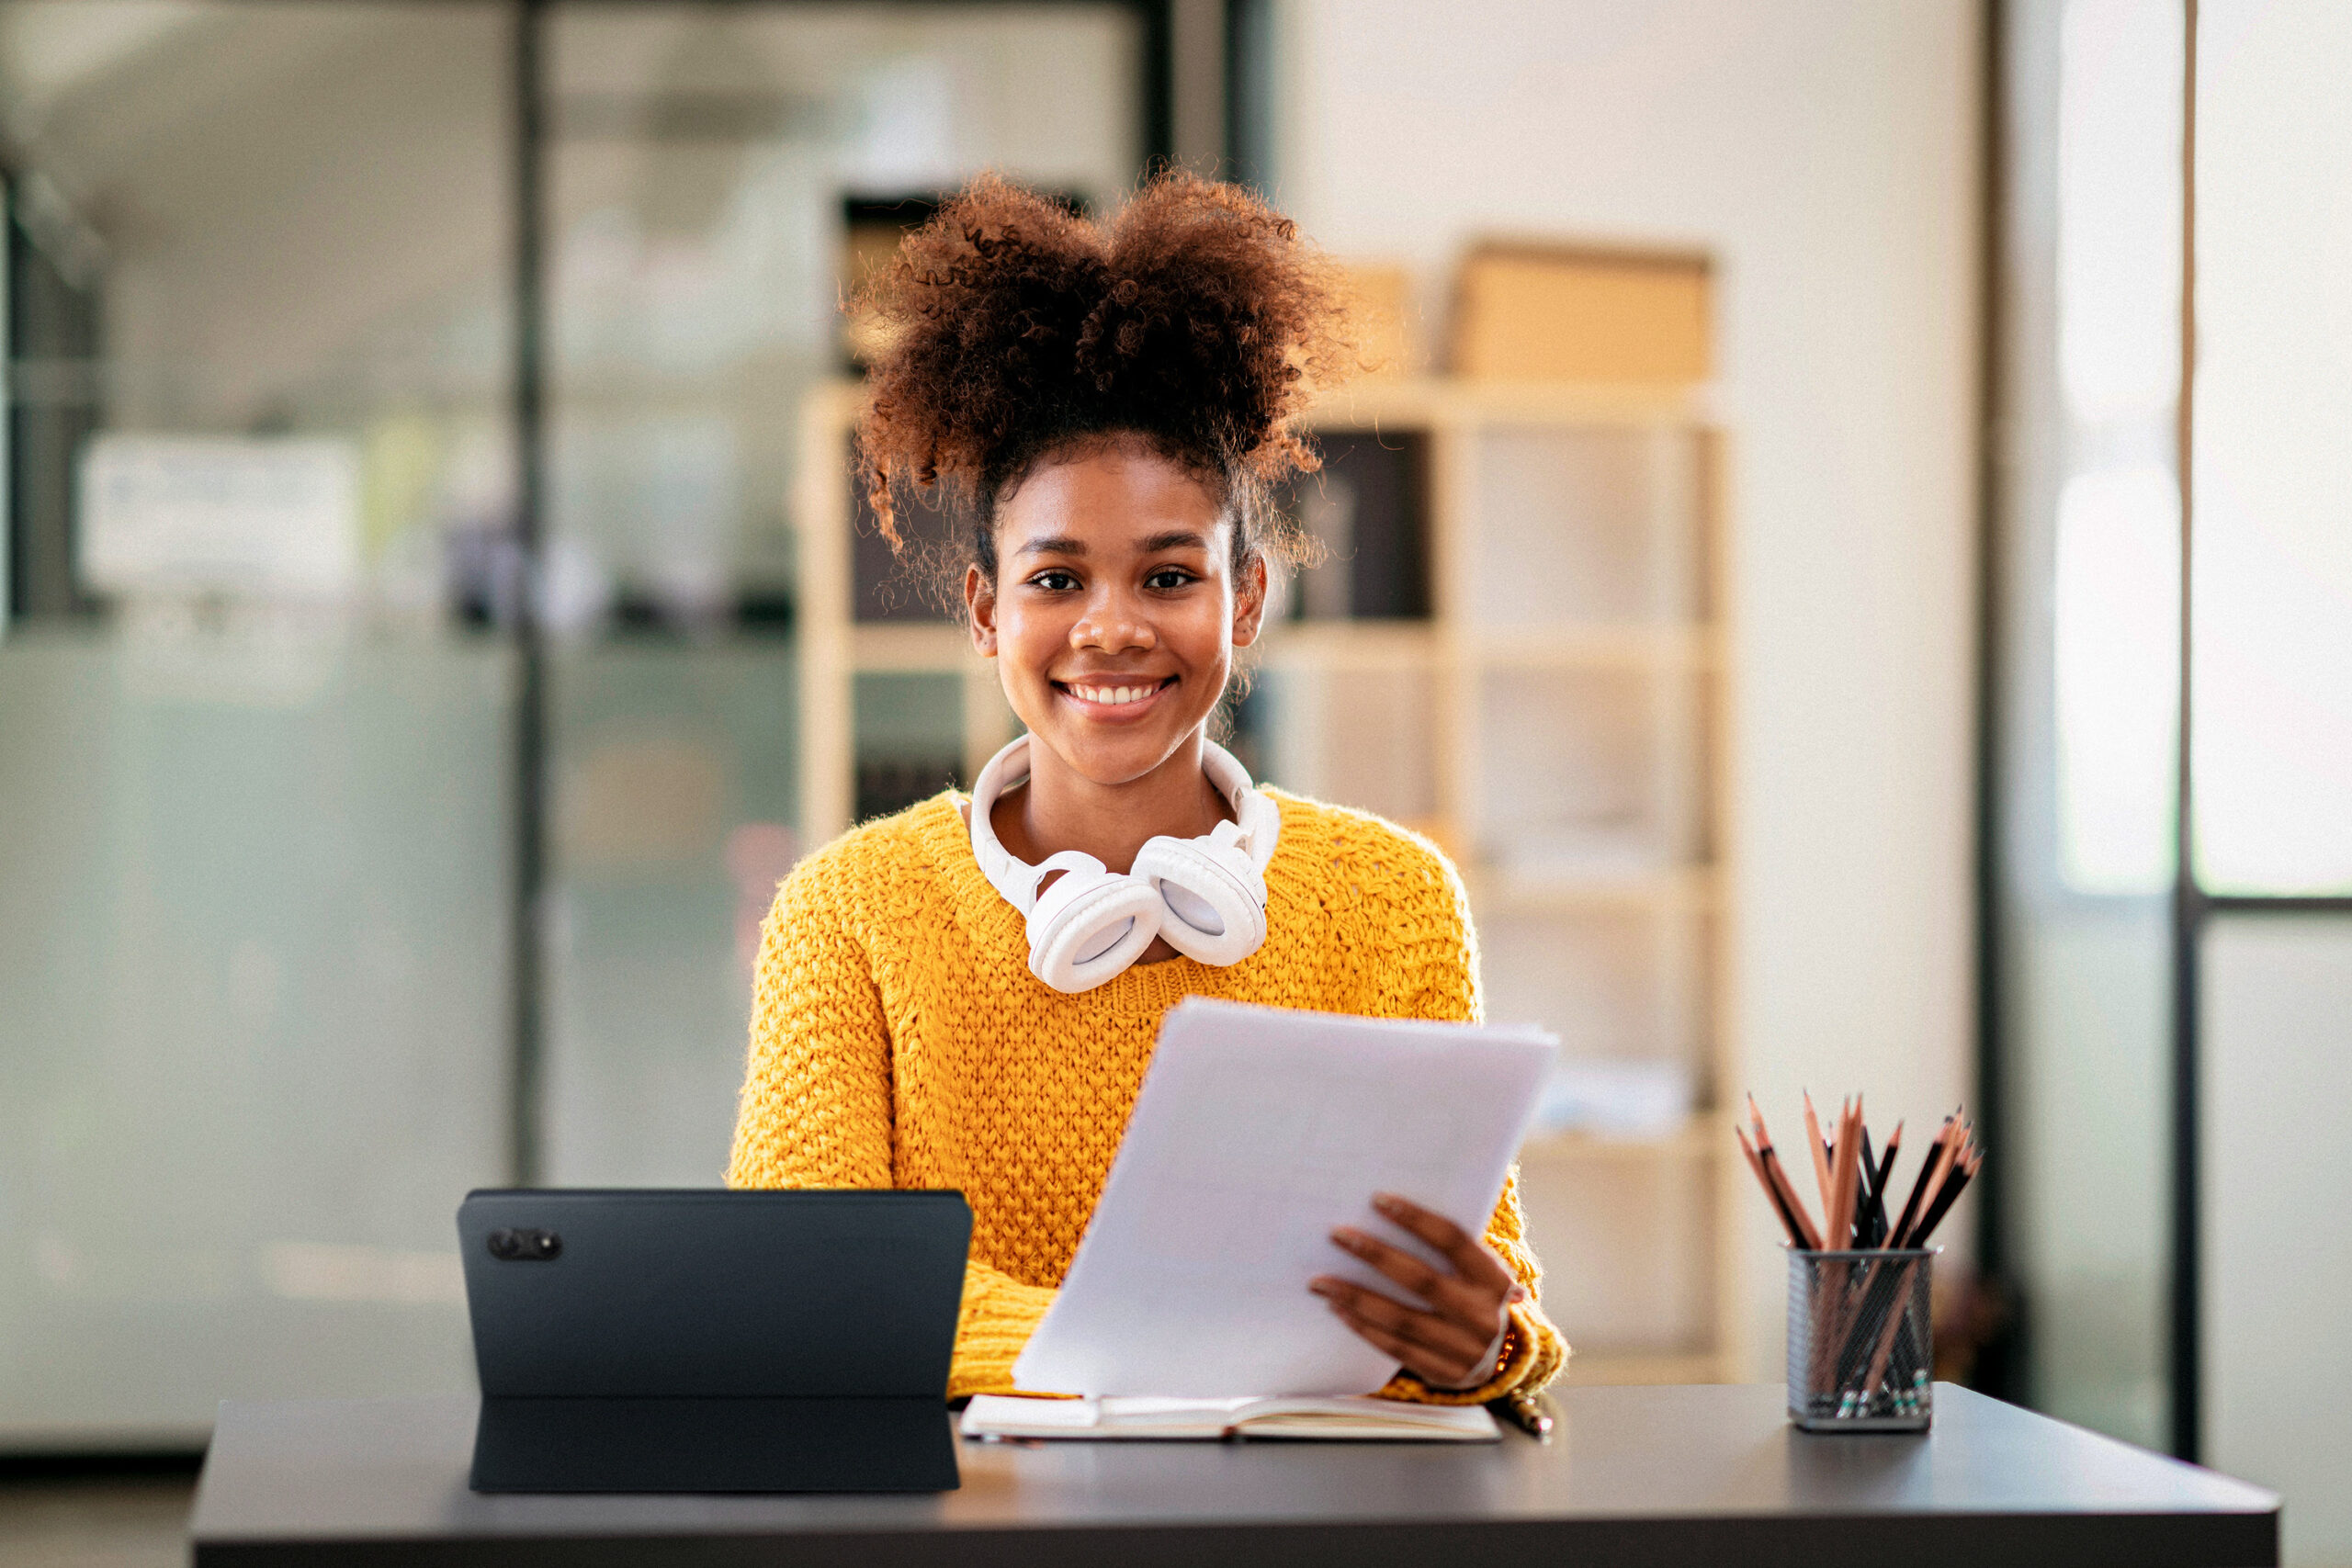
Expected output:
(1826, 153)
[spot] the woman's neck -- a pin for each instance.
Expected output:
(1062, 809)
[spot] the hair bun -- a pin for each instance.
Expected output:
(1195, 317)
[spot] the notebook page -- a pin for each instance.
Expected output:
(1257, 1131)
(991, 1415)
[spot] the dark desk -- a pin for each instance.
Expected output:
(1635, 1475)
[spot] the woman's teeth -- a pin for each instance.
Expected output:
(1114, 695)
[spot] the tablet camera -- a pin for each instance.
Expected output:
(525, 1246)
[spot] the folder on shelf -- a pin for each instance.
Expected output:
(1545, 313)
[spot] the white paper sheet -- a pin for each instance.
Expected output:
(1257, 1131)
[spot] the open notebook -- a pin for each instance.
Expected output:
(1357, 1416)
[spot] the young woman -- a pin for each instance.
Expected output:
(966, 995)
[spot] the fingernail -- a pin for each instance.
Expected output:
(1348, 1238)
(1319, 1287)
(1518, 1294)
(1387, 1202)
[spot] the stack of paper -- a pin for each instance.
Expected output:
(1257, 1130)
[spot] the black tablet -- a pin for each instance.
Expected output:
(683, 1340)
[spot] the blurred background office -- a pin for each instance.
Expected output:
(437, 614)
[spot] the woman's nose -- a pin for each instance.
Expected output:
(1111, 625)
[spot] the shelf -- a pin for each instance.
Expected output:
(1391, 645)
(1596, 1367)
(1599, 647)
(910, 647)
(1691, 889)
(1374, 403)
(1701, 1138)
(1348, 645)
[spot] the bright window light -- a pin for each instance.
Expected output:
(2118, 666)
(2116, 593)
(2119, 210)
(2272, 516)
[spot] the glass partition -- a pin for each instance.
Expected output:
(261, 711)
(2087, 653)
(254, 727)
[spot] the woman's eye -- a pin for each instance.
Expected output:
(1170, 577)
(1054, 581)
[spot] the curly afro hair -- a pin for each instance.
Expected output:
(1195, 319)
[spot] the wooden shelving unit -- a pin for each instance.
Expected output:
(1557, 721)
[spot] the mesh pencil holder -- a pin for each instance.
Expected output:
(1862, 1345)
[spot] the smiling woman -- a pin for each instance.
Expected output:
(1114, 630)
(966, 994)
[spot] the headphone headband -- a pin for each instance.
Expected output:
(1219, 877)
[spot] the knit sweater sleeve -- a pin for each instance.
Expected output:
(816, 1102)
(1444, 987)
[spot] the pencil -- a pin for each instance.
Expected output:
(1771, 1192)
(1879, 1229)
(1820, 1157)
(1894, 1324)
(1788, 1196)
(1780, 1178)
(1928, 1163)
(1862, 1198)
(1839, 1233)
(1854, 1176)
(1857, 1174)
(1886, 1165)
(1936, 1176)
(1946, 1198)
(1756, 1167)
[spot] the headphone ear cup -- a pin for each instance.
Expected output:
(1089, 926)
(1214, 897)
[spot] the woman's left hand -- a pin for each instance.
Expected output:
(1446, 1346)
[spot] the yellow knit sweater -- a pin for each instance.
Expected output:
(898, 1040)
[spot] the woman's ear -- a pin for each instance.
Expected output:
(979, 610)
(1250, 601)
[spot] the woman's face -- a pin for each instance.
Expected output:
(1115, 612)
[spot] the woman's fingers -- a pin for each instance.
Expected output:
(1427, 1345)
(1396, 1262)
(1468, 1301)
(1441, 1335)
(1471, 1257)
(1447, 1344)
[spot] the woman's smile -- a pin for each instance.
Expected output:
(1115, 699)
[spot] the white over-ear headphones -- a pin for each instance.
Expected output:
(1207, 895)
